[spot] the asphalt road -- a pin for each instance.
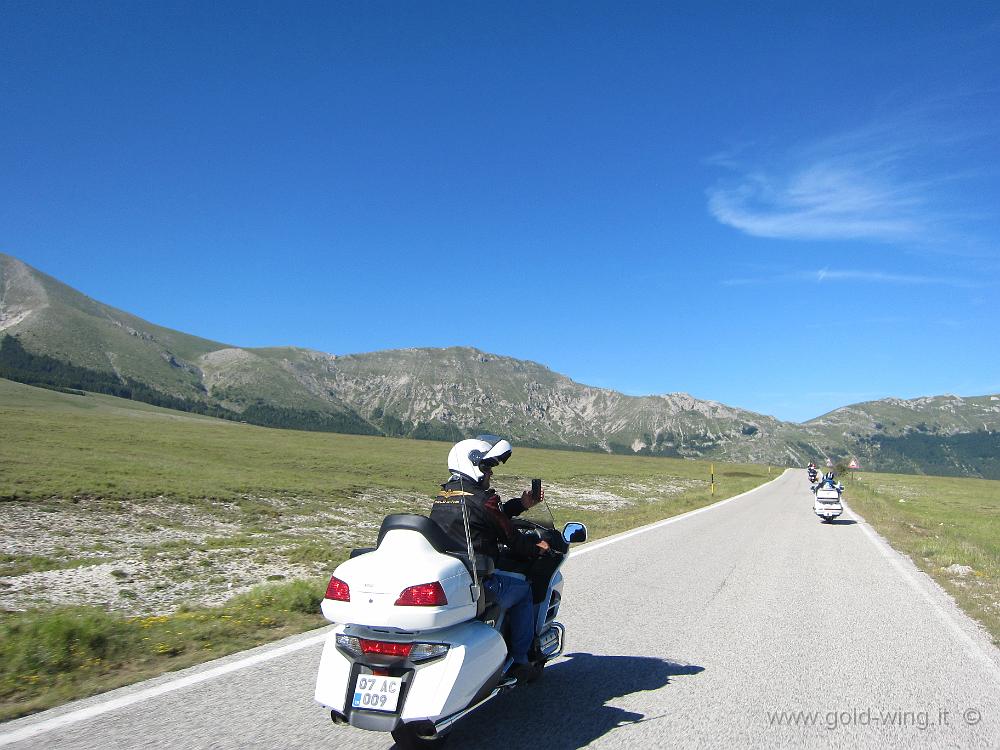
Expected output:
(749, 624)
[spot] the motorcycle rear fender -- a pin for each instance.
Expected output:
(447, 685)
(437, 688)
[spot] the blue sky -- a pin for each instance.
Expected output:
(787, 207)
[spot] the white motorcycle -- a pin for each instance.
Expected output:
(827, 504)
(418, 643)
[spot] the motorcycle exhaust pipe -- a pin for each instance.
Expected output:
(443, 724)
(429, 730)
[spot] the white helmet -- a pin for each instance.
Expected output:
(469, 457)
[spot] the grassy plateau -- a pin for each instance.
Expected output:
(138, 540)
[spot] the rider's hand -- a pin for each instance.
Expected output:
(528, 500)
(543, 546)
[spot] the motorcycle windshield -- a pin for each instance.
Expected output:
(540, 514)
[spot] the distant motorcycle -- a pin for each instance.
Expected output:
(418, 644)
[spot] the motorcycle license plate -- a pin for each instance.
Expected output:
(376, 693)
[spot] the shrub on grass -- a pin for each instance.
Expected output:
(50, 657)
(60, 640)
(303, 596)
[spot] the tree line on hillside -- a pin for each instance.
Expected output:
(43, 371)
(961, 455)
(16, 363)
(266, 415)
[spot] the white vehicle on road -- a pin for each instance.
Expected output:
(827, 504)
(418, 645)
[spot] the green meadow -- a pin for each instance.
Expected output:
(137, 540)
(949, 527)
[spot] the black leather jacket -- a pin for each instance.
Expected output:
(489, 519)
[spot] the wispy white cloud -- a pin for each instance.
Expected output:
(826, 275)
(831, 200)
(891, 182)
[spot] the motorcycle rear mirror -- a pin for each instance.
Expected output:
(574, 533)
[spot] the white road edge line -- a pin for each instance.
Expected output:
(90, 712)
(101, 708)
(895, 559)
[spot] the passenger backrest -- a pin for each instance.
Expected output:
(433, 533)
(439, 540)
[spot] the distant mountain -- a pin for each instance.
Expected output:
(948, 435)
(52, 335)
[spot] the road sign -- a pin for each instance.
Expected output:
(854, 464)
(829, 462)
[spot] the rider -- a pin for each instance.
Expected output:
(471, 463)
(828, 481)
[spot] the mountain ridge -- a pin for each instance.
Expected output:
(449, 392)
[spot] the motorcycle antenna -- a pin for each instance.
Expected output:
(468, 540)
(552, 518)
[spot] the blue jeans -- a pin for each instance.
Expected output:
(514, 595)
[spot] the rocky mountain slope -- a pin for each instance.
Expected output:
(52, 335)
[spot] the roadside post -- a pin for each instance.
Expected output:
(713, 478)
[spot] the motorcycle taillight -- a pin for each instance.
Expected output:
(415, 652)
(423, 595)
(385, 648)
(338, 590)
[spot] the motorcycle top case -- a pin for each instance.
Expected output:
(827, 503)
(376, 580)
